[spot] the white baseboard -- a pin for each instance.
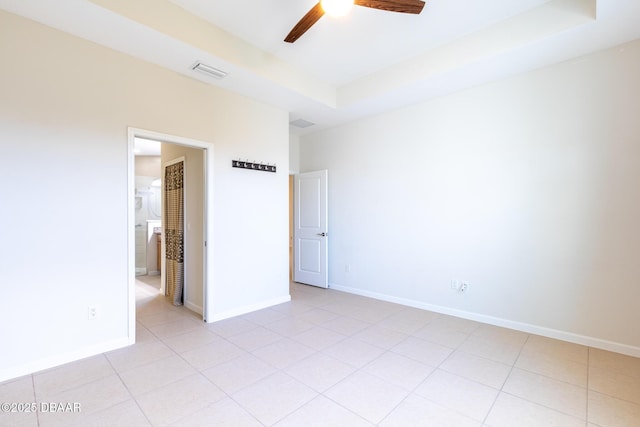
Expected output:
(191, 306)
(249, 308)
(496, 321)
(61, 359)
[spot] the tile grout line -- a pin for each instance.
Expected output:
(197, 370)
(358, 369)
(128, 391)
(500, 390)
(33, 389)
(542, 375)
(412, 391)
(444, 370)
(175, 354)
(588, 379)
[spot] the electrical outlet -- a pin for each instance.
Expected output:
(92, 312)
(464, 287)
(459, 286)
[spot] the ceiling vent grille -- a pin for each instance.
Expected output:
(301, 123)
(209, 70)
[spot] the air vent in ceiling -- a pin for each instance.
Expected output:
(209, 70)
(301, 123)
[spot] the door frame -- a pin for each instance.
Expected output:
(322, 230)
(208, 252)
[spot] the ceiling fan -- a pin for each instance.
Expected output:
(316, 12)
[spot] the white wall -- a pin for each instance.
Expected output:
(147, 170)
(528, 188)
(65, 108)
(294, 154)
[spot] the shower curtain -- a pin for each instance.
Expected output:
(174, 231)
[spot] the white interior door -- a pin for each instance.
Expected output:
(310, 229)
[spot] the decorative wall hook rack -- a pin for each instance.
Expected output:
(243, 164)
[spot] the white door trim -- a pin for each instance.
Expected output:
(208, 219)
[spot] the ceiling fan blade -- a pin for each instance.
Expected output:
(404, 6)
(305, 23)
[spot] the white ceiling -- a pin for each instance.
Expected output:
(343, 69)
(344, 49)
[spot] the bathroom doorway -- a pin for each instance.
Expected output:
(198, 257)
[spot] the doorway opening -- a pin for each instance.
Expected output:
(199, 191)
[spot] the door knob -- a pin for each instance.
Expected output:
(323, 234)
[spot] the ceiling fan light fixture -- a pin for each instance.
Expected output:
(336, 8)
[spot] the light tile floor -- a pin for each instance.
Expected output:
(329, 358)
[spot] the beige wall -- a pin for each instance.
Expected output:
(65, 108)
(147, 165)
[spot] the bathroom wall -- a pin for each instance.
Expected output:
(148, 201)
